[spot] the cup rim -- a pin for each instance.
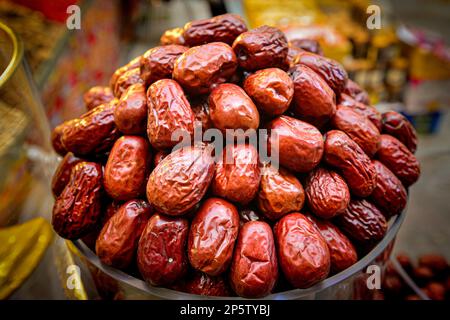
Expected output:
(164, 293)
(16, 54)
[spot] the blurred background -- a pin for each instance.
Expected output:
(404, 65)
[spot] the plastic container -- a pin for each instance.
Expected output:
(348, 284)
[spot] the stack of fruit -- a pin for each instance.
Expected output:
(231, 226)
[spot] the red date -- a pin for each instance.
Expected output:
(180, 180)
(172, 36)
(303, 254)
(314, 101)
(96, 96)
(327, 193)
(78, 208)
(127, 168)
(168, 111)
(130, 115)
(93, 133)
(365, 110)
(231, 108)
(157, 63)
(223, 28)
(200, 69)
(279, 193)
(254, 270)
(399, 127)
(357, 127)
(62, 174)
(261, 48)
(213, 233)
(271, 89)
(299, 144)
(355, 166)
(389, 195)
(342, 252)
(309, 45)
(330, 70)
(161, 254)
(397, 158)
(363, 222)
(118, 240)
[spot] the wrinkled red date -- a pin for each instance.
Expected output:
(168, 111)
(161, 254)
(357, 127)
(78, 208)
(389, 195)
(231, 108)
(303, 254)
(300, 145)
(118, 240)
(157, 63)
(355, 166)
(261, 48)
(363, 109)
(342, 252)
(127, 79)
(330, 70)
(62, 173)
(363, 222)
(279, 193)
(180, 180)
(397, 158)
(237, 174)
(223, 28)
(96, 96)
(272, 90)
(127, 168)
(212, 235)
(314, 101)
(399, 127)
(130, 114)
(254, 270)
(202, 68)
(93, 133)
(326, 192)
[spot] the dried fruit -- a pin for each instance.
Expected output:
(213, 233)
(327, 193)
(303, 254)
(261, 48)
(254, 270)
(127, 168)
(180, 180)
(77, 209)
(355, 166)
(298, 144)
(237, 174)
(118, 240)
(279, 193)
(161, 254)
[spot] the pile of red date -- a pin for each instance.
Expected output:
(244, 227)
